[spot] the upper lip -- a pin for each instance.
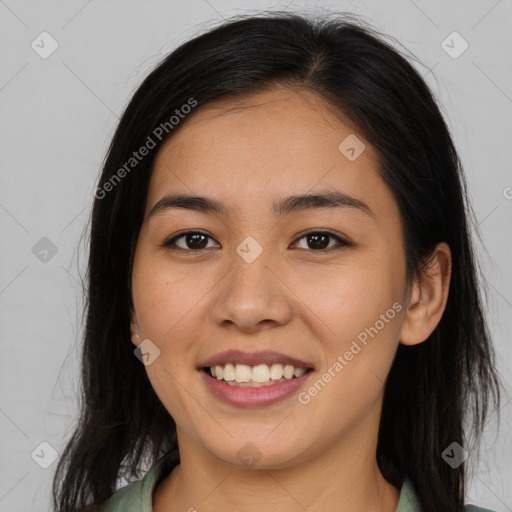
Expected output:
(253, 359)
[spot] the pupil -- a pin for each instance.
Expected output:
(194, 240)
(315, 239)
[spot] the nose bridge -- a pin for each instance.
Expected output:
(254, 267)
(250, 274)
(251, 295)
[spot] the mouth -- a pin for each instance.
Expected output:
(244, 369)
(260, 375)
(242, 379)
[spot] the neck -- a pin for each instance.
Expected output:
(345, 477)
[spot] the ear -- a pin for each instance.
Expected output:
(134, 329)
(428, 297)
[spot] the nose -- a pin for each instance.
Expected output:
(254, 295)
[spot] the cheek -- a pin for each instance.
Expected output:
(165, 297)
(364, 318)
(350, 297)
(168, 302)
(360, 304)
(167, 306)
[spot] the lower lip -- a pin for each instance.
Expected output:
(253, 396)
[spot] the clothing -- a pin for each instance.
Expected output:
(138, 496)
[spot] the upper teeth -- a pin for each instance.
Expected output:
(259, 373)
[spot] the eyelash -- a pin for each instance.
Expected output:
(168, 244)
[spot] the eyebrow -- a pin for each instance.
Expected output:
(282, 207)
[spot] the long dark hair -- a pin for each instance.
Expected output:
(436, 393)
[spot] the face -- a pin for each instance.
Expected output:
(316, 285)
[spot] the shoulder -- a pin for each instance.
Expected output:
(474, 508)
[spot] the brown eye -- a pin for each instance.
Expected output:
(319, 240)
(316, 241)
(191, 241)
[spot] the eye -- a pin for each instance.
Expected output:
(319, 240)
(193, 241)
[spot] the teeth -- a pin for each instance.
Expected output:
(242, 373)
(229, 372)
(299, 371)
(276, 371)
(288, 371)
(262, 373)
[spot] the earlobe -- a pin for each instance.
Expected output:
(134, 330)
(428, 297)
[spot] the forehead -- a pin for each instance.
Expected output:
(264, 146)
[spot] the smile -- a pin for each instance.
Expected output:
(254, 376)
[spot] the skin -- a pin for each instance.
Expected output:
(294, 298)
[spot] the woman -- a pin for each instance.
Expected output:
(281, 229)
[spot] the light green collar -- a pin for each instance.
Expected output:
(408, 501)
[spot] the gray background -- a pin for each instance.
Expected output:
(57, 117)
